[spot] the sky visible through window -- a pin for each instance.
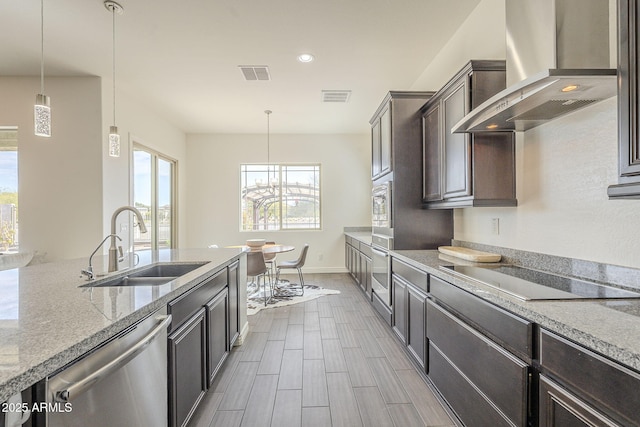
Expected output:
(9, 171)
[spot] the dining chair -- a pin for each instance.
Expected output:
(297, 264)
(256, 267)
(269, 259)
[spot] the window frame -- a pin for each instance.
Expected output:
(281, 198)
(154, 231)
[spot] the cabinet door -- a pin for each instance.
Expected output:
(385, 141)
(375, 149)
(416, 331)
(457, 164)
(367, 276)
(217, 332)
(234, 304)
(399, 307)
(187, 368)
(559, 408)
(432, 154)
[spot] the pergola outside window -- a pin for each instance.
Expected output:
(280, 197)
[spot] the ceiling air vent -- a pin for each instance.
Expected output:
(255, 72)
(336, 95)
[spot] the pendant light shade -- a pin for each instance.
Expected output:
(114, 141)
(42, 115)
(42, 108)
(114, 136)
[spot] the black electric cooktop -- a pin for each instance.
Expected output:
(529, 284)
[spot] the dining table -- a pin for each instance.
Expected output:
(267, 248)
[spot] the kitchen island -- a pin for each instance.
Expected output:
(49, 319)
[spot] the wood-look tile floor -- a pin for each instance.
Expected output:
(327, 362)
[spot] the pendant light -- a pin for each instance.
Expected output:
(114, 137)
(42, 108)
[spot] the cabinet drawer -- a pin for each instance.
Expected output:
(559, 408)
(365, 249)
(412, 275)
(610, 387)
(511, 331)
(499, 375)
(472, 408)
(188, 303)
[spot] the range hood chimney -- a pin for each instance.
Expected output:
(557, 62)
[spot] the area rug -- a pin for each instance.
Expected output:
(286, 294)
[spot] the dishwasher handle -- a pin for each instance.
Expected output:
(84, 384)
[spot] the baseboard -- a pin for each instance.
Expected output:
(243, 335)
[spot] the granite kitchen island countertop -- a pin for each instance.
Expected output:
(48, 320)
(610, 327)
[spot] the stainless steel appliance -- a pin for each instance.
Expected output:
(557, 62)
(122, 383)
(381, 267)
(381, 208)
(528, 284)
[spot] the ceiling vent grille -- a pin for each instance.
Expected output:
(255, 72)
(336, 95)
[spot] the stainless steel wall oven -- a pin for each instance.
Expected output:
(381, 267)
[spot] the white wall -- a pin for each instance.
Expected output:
(214, 190)
(563, 170)
(68, 185)
(60, 178)
(137, 123)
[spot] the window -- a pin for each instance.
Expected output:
(8, 190)
(280, 197)
(154, 196)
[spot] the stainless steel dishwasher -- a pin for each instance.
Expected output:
(122, 383)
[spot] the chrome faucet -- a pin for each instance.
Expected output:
(113, 250)
(89, 271)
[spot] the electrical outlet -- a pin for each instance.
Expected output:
(495, 226)
(124, 228)
(320, 257)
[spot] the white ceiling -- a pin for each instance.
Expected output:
(181, 57)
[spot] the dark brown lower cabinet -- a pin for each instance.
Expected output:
(217, 333)
(560, 408)
(399, 316)
(575, 381)
(187, 368)
(483, 383)
(416, 319)
(409, 293)
(234, 303)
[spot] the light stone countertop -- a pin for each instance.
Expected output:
(610, 327)
(362, 236)
(47, 320)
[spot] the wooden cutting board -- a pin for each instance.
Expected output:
(470, 254)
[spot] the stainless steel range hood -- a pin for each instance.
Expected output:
(557, 62)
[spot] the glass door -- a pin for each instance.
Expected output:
(154, 196)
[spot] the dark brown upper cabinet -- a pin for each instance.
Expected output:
(464, 169)
(394, 128)
(628, 186)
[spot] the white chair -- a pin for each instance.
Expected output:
(257, 268)
(297, 264)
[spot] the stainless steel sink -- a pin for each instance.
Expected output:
(153, 275)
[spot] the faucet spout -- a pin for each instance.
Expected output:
(89, 271)
(113, 250)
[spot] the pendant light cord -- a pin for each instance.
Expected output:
(113, 13)
(42, 46)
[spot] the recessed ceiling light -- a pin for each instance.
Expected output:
(305, 57)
